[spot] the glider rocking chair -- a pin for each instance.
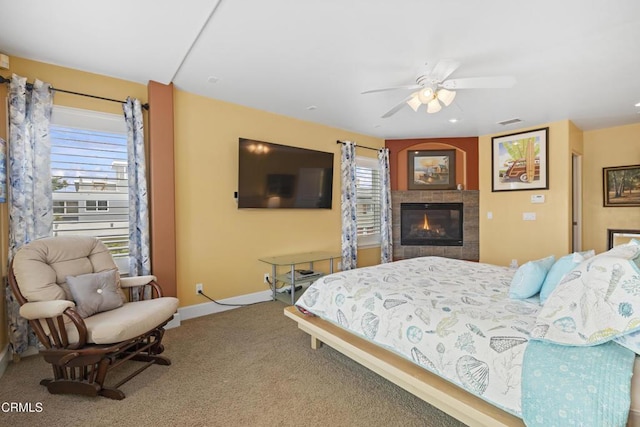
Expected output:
(87, 318)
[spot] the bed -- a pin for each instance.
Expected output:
(448, 331)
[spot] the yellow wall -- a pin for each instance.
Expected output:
(218, 244)
(507, 236)
(618, 146)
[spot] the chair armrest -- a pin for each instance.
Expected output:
(129, 282)
(44, 309)
(137, 287)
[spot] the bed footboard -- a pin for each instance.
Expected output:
(434, 390)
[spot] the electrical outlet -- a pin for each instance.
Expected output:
(198, 288)
(267, 278)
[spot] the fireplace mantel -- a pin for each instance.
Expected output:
(470, 249)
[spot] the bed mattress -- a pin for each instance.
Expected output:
(451, 317)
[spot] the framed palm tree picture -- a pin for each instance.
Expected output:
(520, 161)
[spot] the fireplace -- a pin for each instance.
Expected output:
(431, 224)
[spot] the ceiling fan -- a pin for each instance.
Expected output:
(433, 90)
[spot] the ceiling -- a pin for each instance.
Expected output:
(572, 59)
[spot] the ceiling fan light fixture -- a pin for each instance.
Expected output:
(446, 96)
(414, 102)
(425, 95)
(434, 106)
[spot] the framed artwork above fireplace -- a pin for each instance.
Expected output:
(431, 170)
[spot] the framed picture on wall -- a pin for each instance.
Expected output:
(621, 186)
(431, 170)
(520, 161)
(620, 237)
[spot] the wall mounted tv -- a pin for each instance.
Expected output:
(280, 176)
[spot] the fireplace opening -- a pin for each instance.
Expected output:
(431, 224)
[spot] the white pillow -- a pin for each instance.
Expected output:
(529, 278)
(596, 302)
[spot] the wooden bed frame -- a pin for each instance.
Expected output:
(429, 387)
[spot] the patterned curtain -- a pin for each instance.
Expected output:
(348, 206)
(386, 242)
(139, 259)
(30, 199)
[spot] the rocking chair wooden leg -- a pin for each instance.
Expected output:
(158, 360)
(73, 387)
(157, 348)
(112, 393)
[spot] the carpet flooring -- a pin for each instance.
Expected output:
(250, 366)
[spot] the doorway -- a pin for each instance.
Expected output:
(576, 202)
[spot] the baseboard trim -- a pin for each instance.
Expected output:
(175, 322)
(204, 309)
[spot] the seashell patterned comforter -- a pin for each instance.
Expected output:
(451, 317)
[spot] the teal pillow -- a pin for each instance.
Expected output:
(529, 278)
(559, 269)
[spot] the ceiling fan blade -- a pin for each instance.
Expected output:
(444, 68)
(480, 83)
(411, 87)
(397, 108)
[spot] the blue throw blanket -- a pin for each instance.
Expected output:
(577, 386)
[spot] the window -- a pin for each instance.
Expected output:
(65, 210)
(97, 205)
(368, 201)
(89, 178)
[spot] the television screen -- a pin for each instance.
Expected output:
(280, 176)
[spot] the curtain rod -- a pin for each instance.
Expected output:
(361, 146)
(30, 87)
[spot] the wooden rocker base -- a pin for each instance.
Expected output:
(87, 388)
(158, 360)
(71, 387)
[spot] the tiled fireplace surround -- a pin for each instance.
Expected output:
(470, 250)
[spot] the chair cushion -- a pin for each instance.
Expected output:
(95, 292)
(42, 266)
(126, 322)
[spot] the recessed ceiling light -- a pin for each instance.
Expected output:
(638, 104)
(453, 120)
(213, 79)
(312, 107)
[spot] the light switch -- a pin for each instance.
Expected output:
(489, 215)
(529, 216)
(537, 198)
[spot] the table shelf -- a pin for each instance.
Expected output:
(291, 279)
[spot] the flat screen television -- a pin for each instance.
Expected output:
(276, 176)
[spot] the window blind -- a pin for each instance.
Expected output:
(90, 186)
(368, 200)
